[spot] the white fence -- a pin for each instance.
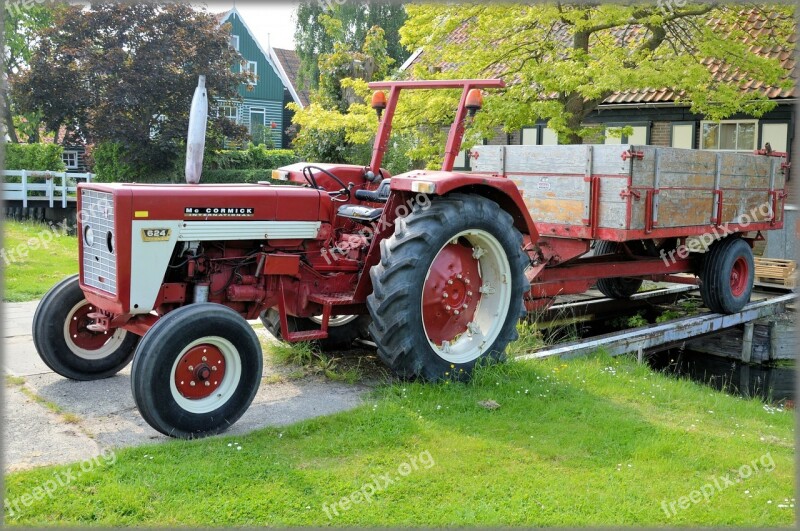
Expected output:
(51, 186)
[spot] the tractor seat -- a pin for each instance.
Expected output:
(360, 214)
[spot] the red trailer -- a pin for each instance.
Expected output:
(435, 266)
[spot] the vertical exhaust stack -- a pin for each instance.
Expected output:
(196, 139)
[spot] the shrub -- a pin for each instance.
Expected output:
(110, 166)
(253, 158)
(42, 157)
(238, 176)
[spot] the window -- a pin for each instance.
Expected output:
(640, 134)
(70, 159)
(728, 135)
(538, 135)
(777, 134)
(235, 42)
(252, 67)
(682, 135)
(229, 112)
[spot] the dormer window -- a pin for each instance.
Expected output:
(252, 67)
(235, 42)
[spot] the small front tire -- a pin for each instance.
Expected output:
(196, 371)
(727, 275)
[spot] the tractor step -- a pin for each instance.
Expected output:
(306, 335)
(331, 299)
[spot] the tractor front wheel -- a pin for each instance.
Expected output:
(65, 343)
(448, 291)
(196, 371)
(727, 275)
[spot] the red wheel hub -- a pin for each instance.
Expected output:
(740, 274)
(451, 293)
(80, 334)
(200, 371)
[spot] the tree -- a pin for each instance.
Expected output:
(126, 73)
(313, 36)
(20, 28)
(327, 126)
(561, 61)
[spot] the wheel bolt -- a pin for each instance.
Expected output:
(456, 312)
(449, 282)
(445, 295)
(213, 367)
(447, 308)
(466, 281)
(458, 276)
(192, 383)
(191, 367)
(204, 358)
(469, 294)
(207, 383)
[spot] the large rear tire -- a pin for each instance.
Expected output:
(67, 346)
(615, 288)
(196, 371)
(727, 275)
(343, 330)
(448, 290)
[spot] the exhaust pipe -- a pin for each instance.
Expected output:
(196, 138)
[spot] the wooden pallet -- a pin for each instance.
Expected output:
(776, 272)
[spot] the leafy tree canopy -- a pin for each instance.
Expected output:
(322, 27)
(126, 73)
(562, 60)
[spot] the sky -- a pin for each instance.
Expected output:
(273, 21)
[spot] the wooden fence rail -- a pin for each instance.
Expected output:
(51, 186)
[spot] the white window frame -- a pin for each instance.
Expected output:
(234, 42)
(224, 114)
(252, 66)
(720, 122)
(67, 154)
(626, 139)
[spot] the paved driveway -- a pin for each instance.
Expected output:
(103, 413)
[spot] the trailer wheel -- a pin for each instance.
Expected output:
(196, 371)
(342, 329)
(615, 288)
(67, 346)
(449, 288)
(727, 275)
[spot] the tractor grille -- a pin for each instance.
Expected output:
(99, 260)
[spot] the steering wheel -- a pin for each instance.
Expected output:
(313, 182)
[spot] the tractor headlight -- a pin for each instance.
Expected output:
(88, 236)
(423, 187)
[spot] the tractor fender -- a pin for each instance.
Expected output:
(501, 190)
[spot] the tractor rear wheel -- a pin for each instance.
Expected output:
(727, 275)
(615, 288)
(448, 290)
(67, 346)
(196, 371)
(342, 329)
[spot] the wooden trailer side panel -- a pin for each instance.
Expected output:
(576, 190)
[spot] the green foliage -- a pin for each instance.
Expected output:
(239, 176)
(321, 26)
(561, 60)
(34, 157)
(255, 157)
(111, 164)
(126, 73)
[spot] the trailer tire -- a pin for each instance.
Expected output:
(615, 288)
(196, 344)
(342, 330)
(426, 270)
(727, 275)
(67, 346)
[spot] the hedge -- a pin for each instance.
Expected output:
(42, 157)
(109, 165)
(238, 176)
(253, 158)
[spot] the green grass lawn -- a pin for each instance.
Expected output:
(35, 257)
(595, 441)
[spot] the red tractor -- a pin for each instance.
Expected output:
(437, 267)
